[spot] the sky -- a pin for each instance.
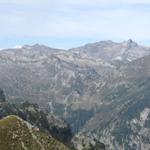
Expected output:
(71, 23)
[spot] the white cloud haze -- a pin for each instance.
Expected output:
(74, 19)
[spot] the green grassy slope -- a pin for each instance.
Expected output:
(16, 134)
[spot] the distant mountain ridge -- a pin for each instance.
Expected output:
(110, 51)
(96, 88)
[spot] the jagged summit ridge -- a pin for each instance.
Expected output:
(108, 51)
(126, 51)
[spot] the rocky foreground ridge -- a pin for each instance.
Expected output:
(17, 134)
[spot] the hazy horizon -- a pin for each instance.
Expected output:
(66, 24)
(67, 48)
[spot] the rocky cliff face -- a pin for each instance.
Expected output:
(96, 88)
(124, 123)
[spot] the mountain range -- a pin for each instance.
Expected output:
(101, 89)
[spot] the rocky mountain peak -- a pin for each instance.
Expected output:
(110, 51)
(130, 43)
(35, 46)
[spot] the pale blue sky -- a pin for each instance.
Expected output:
(71, 23)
